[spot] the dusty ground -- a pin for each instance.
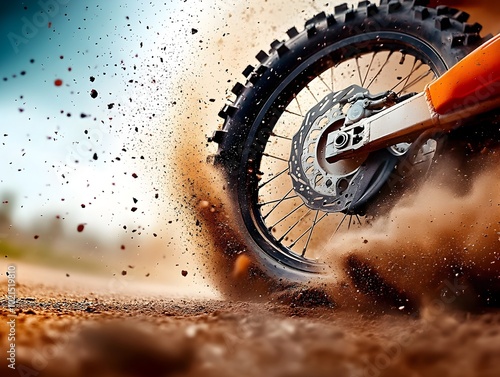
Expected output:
(82, 328)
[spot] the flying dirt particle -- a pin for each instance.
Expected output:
(241, 265)
(67, 275)
(155, 235)
(49, 24)
(32, 61)
(110, 106)
(21, 110)
(130, 266)
(122, 247)
(184, 273)
(92, 78)
(134, 175)
(194, 31)
(135, 200)
(58, 82)
(124, 273)
(133, 209)
(95, 156)
(93, 93)
(365, 241)
(147, 275)
(36, 236)
(80, 227)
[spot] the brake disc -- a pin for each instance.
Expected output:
(342, 186)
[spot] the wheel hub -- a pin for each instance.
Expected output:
(345, 185)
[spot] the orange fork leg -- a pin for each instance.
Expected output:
(471, 81)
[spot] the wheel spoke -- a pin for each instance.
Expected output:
(310, 233)
(306, 231)
(276, 157)
(287, 215)
(323, 81)
(273, 178)
(280, 137)
(293, 226)
(260, 205)
(359, 71)
(332, 76)
(368, 70)
(380, 70)
(291, 112)
(357, 217)
(298, 105)
(415, 67)
(312, 94)
(277, 204)
(417, 80)
(340, 223)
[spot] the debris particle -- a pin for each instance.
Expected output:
(58, 82)
(93, 93)
(184, 273)
(80, 227)
(241, 265)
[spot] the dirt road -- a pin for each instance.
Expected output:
(81, 328)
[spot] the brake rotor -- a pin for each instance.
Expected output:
(342, 186)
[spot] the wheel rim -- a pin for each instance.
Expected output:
(281, 224)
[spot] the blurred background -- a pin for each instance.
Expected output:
(95, 98)
(87, 90)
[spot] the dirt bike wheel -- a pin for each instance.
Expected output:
(370, 46)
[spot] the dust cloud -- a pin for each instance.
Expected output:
(436, 245)
(439, 244)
